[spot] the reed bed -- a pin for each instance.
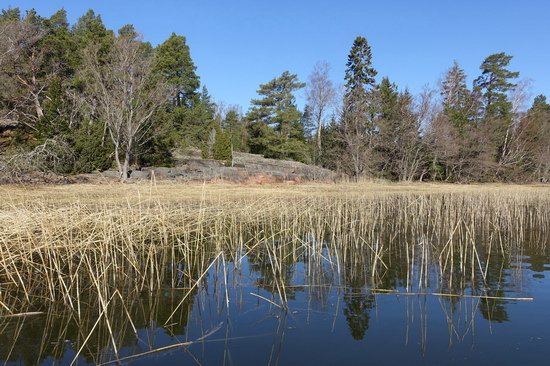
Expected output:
(85, 249)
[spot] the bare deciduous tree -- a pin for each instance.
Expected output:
(358, 138)
(513, 149)
(320, 93)
(412, 157)
(21, 72)
(125, 94)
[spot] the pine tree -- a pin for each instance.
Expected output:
(89, 29)
(60, 48)
(494, 84)
(493, 87)
(10, 15)
(186, 120)
(539, 103)
(128, 31)
(173, 62)
(274, 121)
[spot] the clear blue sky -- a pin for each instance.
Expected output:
(239, 44)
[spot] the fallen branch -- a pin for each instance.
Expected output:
(266, 299)
(31, 313)
(395, 292)
(156, 350)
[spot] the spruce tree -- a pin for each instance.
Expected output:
(459, 104)
(222, 149)
(389, 126)
(360, 75)
(234, 125)
(357, 126)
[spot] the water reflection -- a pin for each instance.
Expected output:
(306, 289)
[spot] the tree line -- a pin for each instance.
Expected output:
(79, 98)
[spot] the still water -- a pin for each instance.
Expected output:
(313, 307)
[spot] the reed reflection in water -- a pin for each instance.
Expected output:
(206, 282)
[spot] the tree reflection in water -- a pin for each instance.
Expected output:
(298, 281)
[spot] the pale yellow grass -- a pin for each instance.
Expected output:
(170, 192)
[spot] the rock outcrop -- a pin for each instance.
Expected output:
(247, 168)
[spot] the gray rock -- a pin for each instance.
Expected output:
(139, 174)
(110, 174)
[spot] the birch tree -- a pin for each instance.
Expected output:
(320, 93)
(124, 94)
(22, 73)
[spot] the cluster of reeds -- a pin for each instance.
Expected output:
(90, 249)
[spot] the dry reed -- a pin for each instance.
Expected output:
(88, 249)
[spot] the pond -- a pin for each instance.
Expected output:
(477, 295)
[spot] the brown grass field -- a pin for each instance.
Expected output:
(169, 191)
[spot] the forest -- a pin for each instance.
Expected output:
(82, 98)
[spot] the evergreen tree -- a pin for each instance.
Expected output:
(533, 136)
(388, 95)
(307, 121)
(274, 120)
(173, 62)
(459, 104)
(10, 15)
(452, 136)
(493, 87)
(357, 127)
(494, 84)
(399, 149)
(89, 29)
(59, 46)
(389, 127)
(234, 125)
(360, 75)
(93, 150)
(128, 31)
(188, 116)
(539, 103)
(221, 149)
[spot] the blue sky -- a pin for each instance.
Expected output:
(239, 44)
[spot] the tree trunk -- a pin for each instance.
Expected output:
(38, 107)
(117, 159)
(319, 127)
(125, 166)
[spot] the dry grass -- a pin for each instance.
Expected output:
(88, 247)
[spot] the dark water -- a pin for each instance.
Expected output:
(315, 308)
